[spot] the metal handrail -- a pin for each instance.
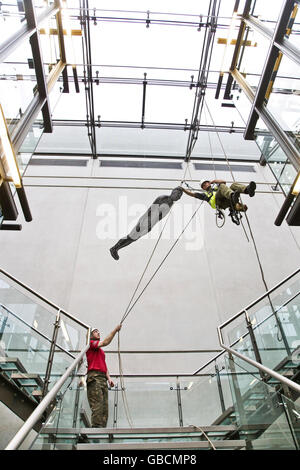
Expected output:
(259, 366)
(47, 301)
(234, 317)
(256, 364)
(36, 331)
(242, 312)
(39, 410)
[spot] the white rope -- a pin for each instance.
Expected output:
(131, 305)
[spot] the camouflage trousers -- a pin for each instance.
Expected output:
(97, 394)
(223, 194)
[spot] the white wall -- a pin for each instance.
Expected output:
(61, 255)
(203, 282)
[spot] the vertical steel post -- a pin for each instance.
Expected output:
(115, 422)
(51, 354)
(287, 408)
(254, 344)
(179, 402)
(221, 396)
(237, 391)
(38, 64)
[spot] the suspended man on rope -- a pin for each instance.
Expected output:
(158, 209)
(219, 196)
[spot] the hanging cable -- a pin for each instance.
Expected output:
(157, 269)
(225, 155)
(247, 219)
(131, 305)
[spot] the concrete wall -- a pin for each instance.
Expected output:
(210, 275)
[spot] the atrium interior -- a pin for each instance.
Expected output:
(106, 106)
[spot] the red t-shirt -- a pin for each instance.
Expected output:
(96, 357)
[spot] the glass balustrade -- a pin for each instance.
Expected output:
(35, 338)
(253, 412)
(24, 350)
(269, 332)
(259, 410)
(42, 314)
(141, 402)
(277, 160)
(227, 391)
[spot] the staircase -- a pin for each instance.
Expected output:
(191, 438)
(261, 411)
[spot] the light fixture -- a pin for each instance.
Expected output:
(7, 153)
(296, 185)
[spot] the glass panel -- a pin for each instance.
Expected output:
(284, 99)
(24, 350)
(259, 412)
(72, 335)
(294, 36)
(283, 170)
(204, 399)
(269, 16)
(292, 410)
(26, 308)
(67, 139)
(29, 327)
(274, 324)
(141, 141)
(48, 42)
(17, 82)
(30, 143)
(254, 55)
(242, 104)
(277, 330)
(70, 105)
(161, 398)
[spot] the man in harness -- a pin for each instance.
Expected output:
(219, 196)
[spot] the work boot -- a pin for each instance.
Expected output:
(250, 189)
(114, 253)
(240, 207)
(235, 197)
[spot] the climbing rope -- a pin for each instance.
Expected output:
(131, 305)
(229, 167)
(247, 219)
(205, 435)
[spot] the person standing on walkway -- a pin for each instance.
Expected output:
(98, 377)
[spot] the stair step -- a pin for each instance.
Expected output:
(34, 378)
(133, 431)
(227, 444)
(9, 364)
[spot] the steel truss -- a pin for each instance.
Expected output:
(259, 97)
(88, 74)
(29, 30)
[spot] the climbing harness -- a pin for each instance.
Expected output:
(220, 218)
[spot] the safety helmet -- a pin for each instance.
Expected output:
(203, 181)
